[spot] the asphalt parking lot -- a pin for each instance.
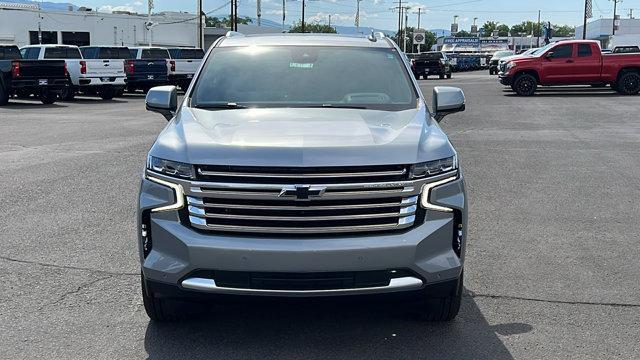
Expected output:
(552, 265)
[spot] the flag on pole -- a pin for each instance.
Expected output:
(589, 9)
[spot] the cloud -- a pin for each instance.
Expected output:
(125, 7)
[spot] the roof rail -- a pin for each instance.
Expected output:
(233, 34)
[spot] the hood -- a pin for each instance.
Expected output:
(301, 137)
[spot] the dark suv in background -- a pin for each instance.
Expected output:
(431, 63)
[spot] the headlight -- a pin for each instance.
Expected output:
(432, 168)
(509, 66)
(171, 168)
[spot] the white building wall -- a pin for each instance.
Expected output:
(104, 28)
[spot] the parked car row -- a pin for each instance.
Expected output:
(52, 72)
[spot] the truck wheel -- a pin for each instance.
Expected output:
(108, 93)
(68, 94)
(157, 309)
(441, 302)
(629, 83)
(525, 85)
(449, 76)
(4, 96)
(47, 97)
(441, 76)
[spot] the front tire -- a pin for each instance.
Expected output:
(525, 85)
(628, 83)
(157, 309)
(449, 76)
(441, 76)
(441, 302)
(4, 96)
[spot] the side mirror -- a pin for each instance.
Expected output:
(163, 100)
(549, 55)
(447, 100)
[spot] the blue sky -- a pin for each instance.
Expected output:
(377, 13)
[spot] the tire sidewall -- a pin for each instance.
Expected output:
(520, 85)
(624, 87)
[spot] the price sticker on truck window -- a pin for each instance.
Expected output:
(296, 65)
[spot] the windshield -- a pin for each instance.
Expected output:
(544, 49)
(501, 54)
(305, 76)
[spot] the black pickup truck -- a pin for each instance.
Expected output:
(431, 63)
(45, 79)
(146, 68)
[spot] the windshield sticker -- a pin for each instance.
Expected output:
(301, 65)
(390, 56)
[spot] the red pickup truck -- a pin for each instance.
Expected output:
(574, 62)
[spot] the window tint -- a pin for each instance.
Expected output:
(10, 53)
(155, 54)
(113, 53)
(236, 74)
(133, 53)
(584, 50)
(31, 53)
(62, 53)
(199, 54)
(174, 53)
(563, 51)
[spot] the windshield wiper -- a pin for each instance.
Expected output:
(229, 105)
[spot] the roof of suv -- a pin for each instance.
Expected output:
(303, 39)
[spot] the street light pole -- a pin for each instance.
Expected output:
(200, 26)
(615, 10)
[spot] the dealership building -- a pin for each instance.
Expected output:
(26, 24)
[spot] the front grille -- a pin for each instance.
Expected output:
(503, 67)
(331, 200)
(494, 62)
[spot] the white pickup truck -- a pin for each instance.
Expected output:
(102, 77)
(183, 65)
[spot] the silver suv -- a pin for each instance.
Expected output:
(300, 166)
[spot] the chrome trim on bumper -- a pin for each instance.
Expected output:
(396, 284)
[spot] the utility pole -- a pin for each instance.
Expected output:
(358, 16)
(149, 20)
(419, 15)
(539, 28)
(258, 10)
(283, 15)
(200, 26)
(231, 15)
(615, 9)
(303, 16)
(406, 28)
(399, 20)
(588, 13)
(329, 20)
(235, 15)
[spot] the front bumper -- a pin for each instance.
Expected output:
(505, 80)
(178, 250)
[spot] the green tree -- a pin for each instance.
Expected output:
(503, 30)
(563, 30)
(223, 22)
(463, 33)
(429, 40)
(487, 29)
(525, 28)
(312, 28)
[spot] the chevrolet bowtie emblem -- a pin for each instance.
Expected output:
(302, 192)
